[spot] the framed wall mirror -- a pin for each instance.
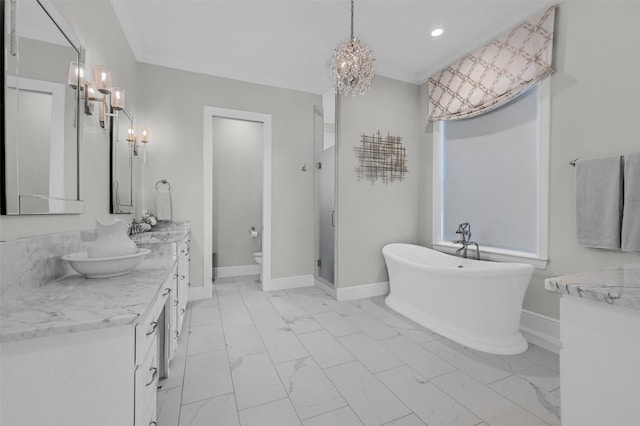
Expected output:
(41, 119)
(122, 159)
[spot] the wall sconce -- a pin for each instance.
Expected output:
(131, 134)
(92, 96)
(132, 138)
(102, 81)
(117, 98)
(76, 75)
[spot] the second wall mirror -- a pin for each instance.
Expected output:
(122, 160)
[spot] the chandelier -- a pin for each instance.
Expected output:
(352, 66)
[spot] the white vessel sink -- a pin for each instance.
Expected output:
(107, 266)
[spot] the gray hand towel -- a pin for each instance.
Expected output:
(631, 210)
(599, 202)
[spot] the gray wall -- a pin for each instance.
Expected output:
(97, 27)
(237, 190)
(594, 111)
(370, 216)
(594, 92)
(173, 109)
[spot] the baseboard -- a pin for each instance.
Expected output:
(288, 282)
(237, 271)
(324, 286)
(541, 330)
(199, 293)
(362, 291)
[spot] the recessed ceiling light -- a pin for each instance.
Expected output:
(437, 32)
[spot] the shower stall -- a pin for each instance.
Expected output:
(325, 188)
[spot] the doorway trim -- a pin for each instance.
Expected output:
(207, 145)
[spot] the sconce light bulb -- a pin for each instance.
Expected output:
(131, 134)
(118, 98)
(102, 78)
(144, 138)
(76, 75)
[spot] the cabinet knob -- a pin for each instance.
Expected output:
(175, 302)
(175, 276)
(182, 311)
(175, 334)
(154, 374)
(166, 291)
(153, 423)
(182, 277)
(154, 327)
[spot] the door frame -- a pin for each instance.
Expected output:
(207, 144)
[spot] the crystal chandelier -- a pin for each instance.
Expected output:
(352, 66)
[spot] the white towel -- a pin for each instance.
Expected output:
(599, 202)
(163, 203)
(631, 210)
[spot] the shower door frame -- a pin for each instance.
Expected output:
(207, 141)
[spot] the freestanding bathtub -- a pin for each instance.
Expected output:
(475, 303)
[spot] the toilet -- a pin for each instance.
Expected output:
(257, 256)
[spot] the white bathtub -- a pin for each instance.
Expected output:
(474, 303)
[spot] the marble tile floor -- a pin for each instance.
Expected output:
(298, 357)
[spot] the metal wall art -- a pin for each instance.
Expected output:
(381, 158)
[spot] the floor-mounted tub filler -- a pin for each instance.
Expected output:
(472, 302)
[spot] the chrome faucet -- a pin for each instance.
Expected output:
(464, 230)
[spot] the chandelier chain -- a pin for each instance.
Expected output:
(351, 19)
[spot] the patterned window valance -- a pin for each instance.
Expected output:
(495, 73)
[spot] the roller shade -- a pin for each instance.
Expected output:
(496, 73)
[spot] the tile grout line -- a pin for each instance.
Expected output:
(516, 403)
(184, 367)
(226, 348)
(268, 354)
(452, 397)
(322, 369)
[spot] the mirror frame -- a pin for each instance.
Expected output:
(32, 204)
(114, 131)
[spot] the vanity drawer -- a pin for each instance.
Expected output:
(146, 383)
(147, 329)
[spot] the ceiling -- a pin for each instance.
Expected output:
(288, 43)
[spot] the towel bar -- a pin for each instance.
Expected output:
(573, 163)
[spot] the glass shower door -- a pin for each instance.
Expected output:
(325, 195)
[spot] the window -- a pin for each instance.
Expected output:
(492, 171)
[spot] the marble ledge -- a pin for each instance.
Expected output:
(74, 303)
(618, 285)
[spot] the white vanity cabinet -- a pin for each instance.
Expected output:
(599, 324)
(148, 353)
(171, 318)
(94, 362)
(183, 281)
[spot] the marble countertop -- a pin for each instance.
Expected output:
(162, 234)
(619, 285)
(74, 303)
